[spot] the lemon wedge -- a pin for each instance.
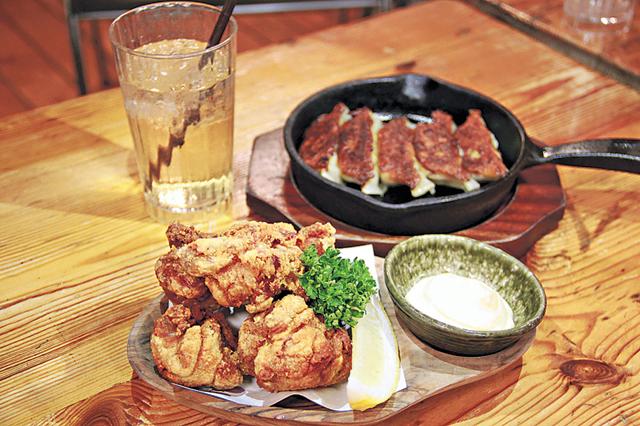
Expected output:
(376, 365)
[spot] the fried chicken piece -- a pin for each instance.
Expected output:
(182, 288)
(191, 354)
(289, 348)
(175, 281)
(318, 234)
(227, 332)
(271, 234)
(238, 270)
(252, 262)
(179, 235)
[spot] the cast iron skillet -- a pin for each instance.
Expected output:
(397, 212)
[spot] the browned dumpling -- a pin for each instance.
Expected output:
(397, 159)
(358, 152)
(439, 155)
(319, 148)
(481, 158)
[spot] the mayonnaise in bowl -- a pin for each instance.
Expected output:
(463, 302)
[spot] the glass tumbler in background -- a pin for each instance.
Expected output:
(600, 15)
(179, 98)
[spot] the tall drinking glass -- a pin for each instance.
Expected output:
(179, 98)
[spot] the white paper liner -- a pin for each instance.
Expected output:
(332, 397)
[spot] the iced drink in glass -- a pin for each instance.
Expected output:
(179, 98)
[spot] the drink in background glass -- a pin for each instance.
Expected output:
(600, 15)
(179, 98)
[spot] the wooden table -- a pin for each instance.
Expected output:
(614, 53)
(77, 249)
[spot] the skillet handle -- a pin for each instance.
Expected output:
(611, 154)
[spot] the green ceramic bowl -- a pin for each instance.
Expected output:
(428, 255)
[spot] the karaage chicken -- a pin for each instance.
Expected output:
(270, 234)
(252, 262)
(192, 354)
(289, 348)
(322, 235)
(284, 344)
(182, 288)
(179, 235)
(318, 234)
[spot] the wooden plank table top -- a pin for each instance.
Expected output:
(77, 249)
(613, 53)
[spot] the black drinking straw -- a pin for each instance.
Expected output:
(222, 22)
(192, 115)
(218, 29)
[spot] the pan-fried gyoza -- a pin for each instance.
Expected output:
(439, 154)
(397, 159)
(358, 152)
(320, 147)
(358, 147)
(481, 157)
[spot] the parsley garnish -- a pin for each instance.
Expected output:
(339, 289)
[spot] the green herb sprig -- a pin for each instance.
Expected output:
(339, 289)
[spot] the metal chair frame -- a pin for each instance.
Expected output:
(74, 18)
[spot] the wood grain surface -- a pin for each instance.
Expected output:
(616, 53)
(77, 248)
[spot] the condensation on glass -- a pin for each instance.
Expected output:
(179, 98)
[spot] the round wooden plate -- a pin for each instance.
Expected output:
(428, 372)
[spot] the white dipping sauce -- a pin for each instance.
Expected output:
(462, 302)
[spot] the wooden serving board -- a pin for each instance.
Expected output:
(428, 372)
(536, 207)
